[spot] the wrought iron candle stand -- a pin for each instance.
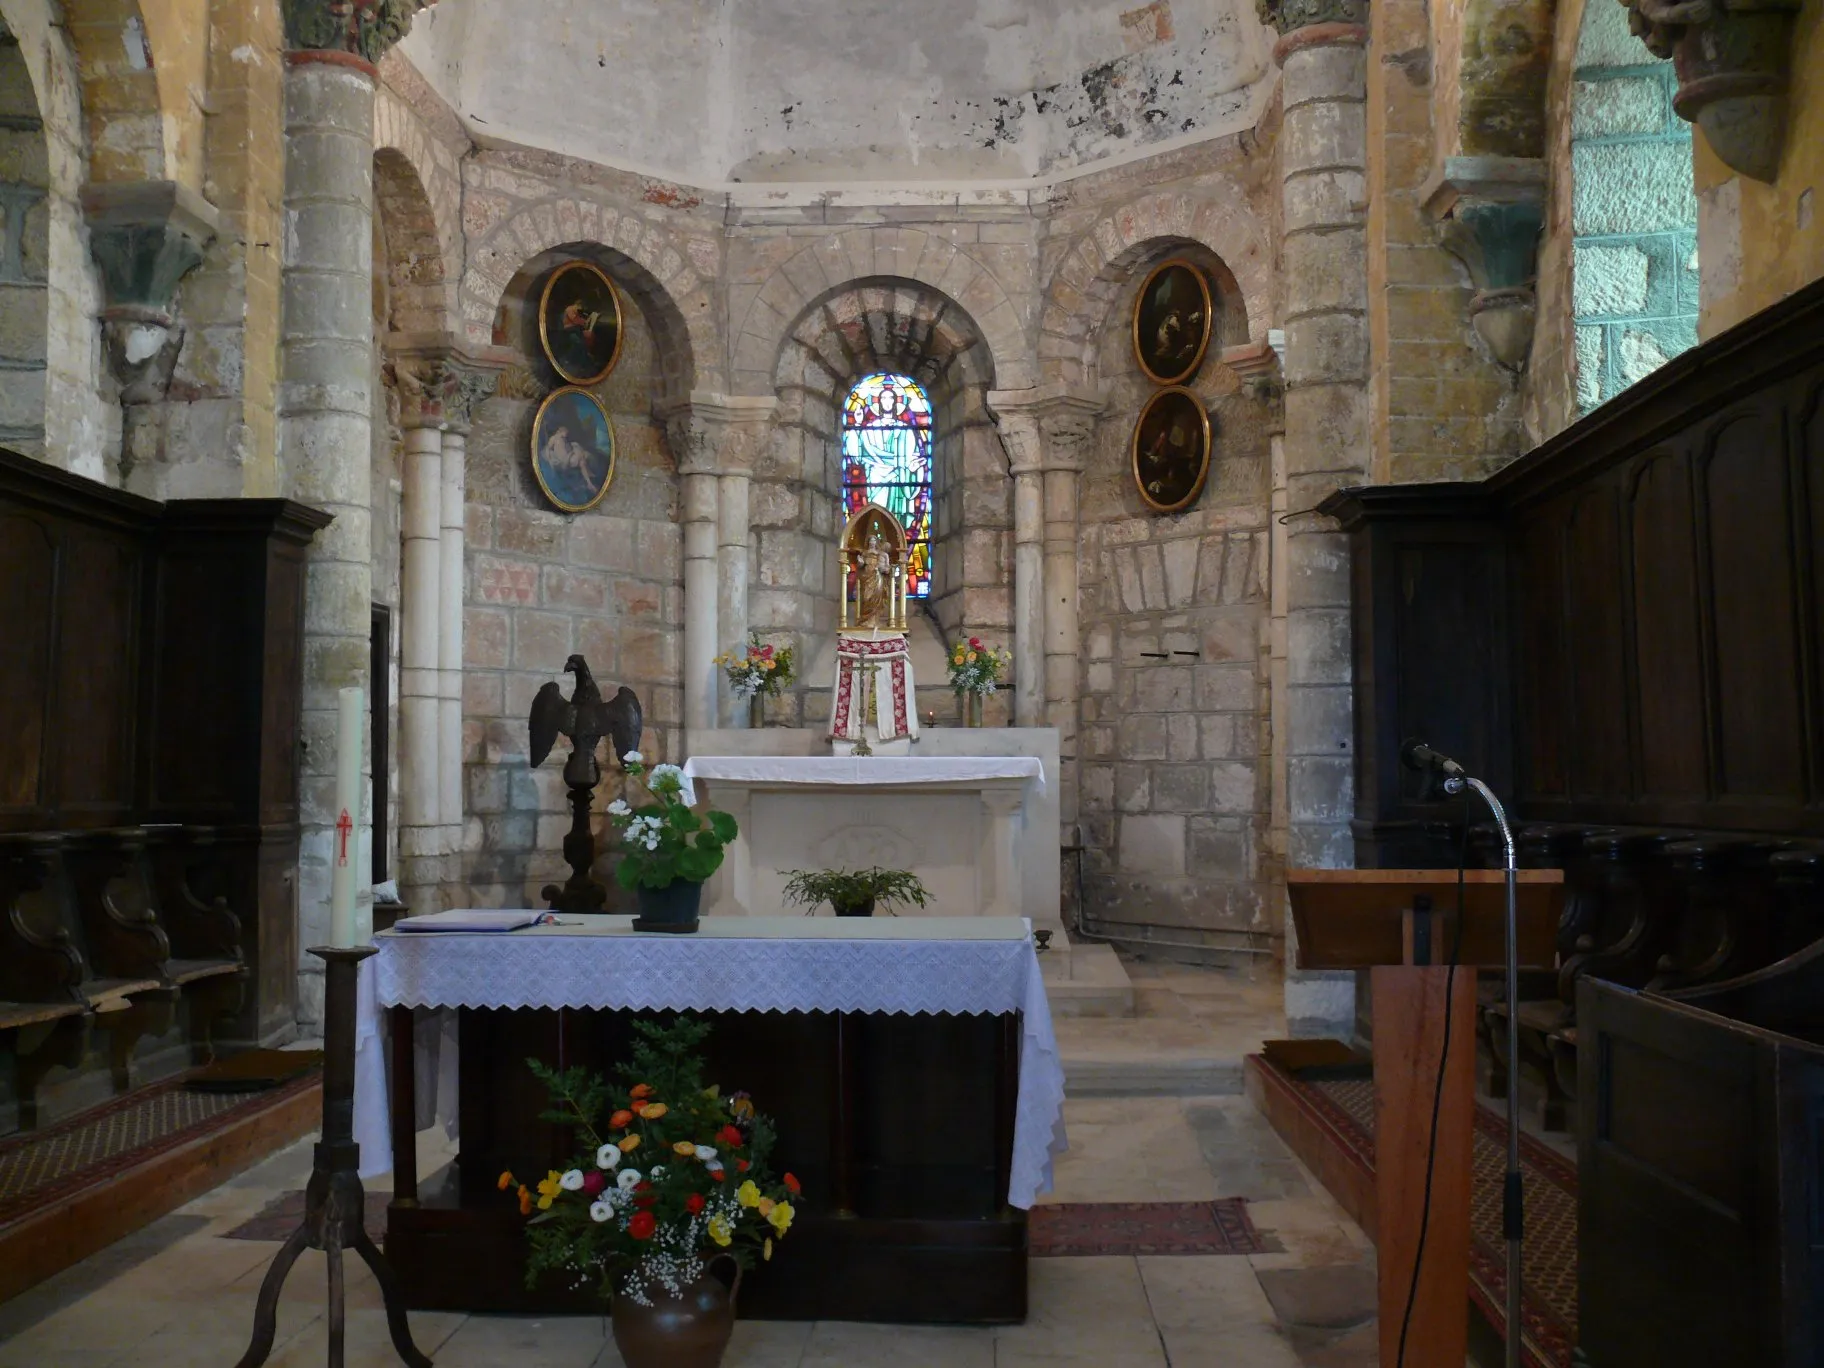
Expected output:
(335, 1206)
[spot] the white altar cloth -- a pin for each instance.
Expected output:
(822, 770)
(956, 965)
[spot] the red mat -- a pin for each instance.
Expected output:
(1086, 1228)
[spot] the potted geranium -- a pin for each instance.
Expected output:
(976, 670)
(760, 672)
(668, 848)
(854, 893)
(672, 1188)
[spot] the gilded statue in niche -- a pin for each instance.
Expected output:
(874, 564)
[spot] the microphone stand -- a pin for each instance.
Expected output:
(1513, 1221)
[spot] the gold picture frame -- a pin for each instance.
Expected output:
(570, 316)
(1173, 321)
(574, 471)
(1168, 473)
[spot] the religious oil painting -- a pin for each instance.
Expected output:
(1172, 322)
(1171, 450)
(886, 460)
(573, 449)
(579, 322)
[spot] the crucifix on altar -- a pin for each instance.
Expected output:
(873, 703)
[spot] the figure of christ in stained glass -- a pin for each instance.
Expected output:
(886, 459)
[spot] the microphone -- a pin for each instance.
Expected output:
(1416, 755)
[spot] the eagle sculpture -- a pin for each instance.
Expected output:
(585, 718)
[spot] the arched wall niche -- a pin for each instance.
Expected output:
(842, 334)
(606, 583)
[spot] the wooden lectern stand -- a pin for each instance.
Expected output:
(1400, 923)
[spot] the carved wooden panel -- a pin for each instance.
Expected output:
(95, 691)
(1668, 648)
(28, 577)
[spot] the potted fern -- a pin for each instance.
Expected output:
(854, 893)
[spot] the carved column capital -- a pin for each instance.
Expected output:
(714, 434)
(1490, 211)
(1046, 428)
(145, 236)
(1313, 23)
(356, 28)
(439, 385)
(1733, 59)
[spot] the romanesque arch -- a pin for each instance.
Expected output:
(418, 193)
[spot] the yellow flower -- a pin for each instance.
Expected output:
(652, 1111)
(548, 1188)
(972, 657)
(720, 1231)
(766, 664)
(766, 1250)
(747, 1194)
(629, 1143)
(781, 1217)
(685, 1148)
(765, 1206)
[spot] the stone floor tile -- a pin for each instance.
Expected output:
(368, 1344)
(1244, 1154)
(1088, 1310)
(766, 1344)
(1359, 1348)
(1327, 1297)
(524, 1342)
(1309, 1230)
(1212, 1312)
(1129, 1149)
(845, 1344)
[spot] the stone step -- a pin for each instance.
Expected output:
(1148, 1057)
(1086, 981)
(1192, 1076)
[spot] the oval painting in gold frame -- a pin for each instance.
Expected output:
(1172, 321)
(573, 449)
(579, 322)
(1170, 453)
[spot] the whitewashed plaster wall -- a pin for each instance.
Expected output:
(710, 92)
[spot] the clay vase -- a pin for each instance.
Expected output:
(690, 1330)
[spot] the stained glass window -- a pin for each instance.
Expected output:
(886, 459)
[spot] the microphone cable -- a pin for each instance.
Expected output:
(1437, 1096)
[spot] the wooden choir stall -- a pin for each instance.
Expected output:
(1623, 633)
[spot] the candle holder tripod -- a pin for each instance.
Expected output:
(334, 1203)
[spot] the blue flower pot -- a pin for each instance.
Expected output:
(672, 908)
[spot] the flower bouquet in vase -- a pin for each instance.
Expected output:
(757, 674)
(976, 670)
(668, 848)
(669, 1202)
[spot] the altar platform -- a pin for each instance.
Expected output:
(973, 811)
(909, 1064)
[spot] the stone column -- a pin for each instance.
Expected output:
(326, 368)
(1069, 425)
(420, 381)
(471, 382)
(1323, 156)
(1019, 427)
(714, 438)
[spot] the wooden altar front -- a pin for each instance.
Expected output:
(900, 1127)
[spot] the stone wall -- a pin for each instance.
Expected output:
(24, 256)
(607, 584)
(1634, 261)
(1174, 789)
(1759, 242)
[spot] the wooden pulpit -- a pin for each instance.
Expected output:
(1402, 924)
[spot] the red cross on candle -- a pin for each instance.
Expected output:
(343, 827)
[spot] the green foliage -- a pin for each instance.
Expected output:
(851, 888)
(666, 840)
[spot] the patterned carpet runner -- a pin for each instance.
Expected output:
(38, 1167)
(1084, 1228)
(1549, 1254)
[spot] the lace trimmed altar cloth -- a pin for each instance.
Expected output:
(953, 965)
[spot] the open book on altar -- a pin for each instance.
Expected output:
(473, 919)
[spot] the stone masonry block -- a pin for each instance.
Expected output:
(1609, 280)
(1325, 136)
(541, 641)
(1337, 72)
(1153, 845)
(1325, 199)
(1632, 187)
(1618, 106)
(1317, 646)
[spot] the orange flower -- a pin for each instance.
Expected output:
(685, 1148)
(505, 1182)
(642, 1090)
(525, 1200)
(791, 1184)
(621, 1120)
(629, 1143)
(652, 1111)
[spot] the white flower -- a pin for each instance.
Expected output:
(714, 1165)
(571, 1181)
(619, 808)
(600, 1211)
(706, 1153)
(608, 1157)
(629, 1179)
(657, 1169)
(665, 779)
(633, 758)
